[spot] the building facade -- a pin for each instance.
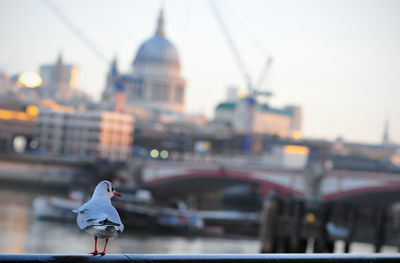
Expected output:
(17, 122)
(154, 84)
(5, 83)
(259, 118)
(98, 134)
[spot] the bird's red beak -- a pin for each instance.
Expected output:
(117, 194)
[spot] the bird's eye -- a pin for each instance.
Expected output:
(112, 189)
(108, 190)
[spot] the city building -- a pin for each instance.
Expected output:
(382, 151)
(5, 84)
(98, 134)
(154, 83)
(59, 80)
(235, 112)
(17, 125)
(153, 92)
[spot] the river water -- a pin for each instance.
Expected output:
(20, 232)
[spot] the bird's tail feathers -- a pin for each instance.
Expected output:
(111, 228)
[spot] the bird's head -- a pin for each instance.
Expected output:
(106, 188)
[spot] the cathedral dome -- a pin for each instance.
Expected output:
(157, 49)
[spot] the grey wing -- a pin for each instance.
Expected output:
(88, 216)
(113, 216)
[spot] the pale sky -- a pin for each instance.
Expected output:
(339, 60)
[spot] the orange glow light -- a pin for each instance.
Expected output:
(29, 80)
(32, 110)
(17, 115)
(296, 135)
(296, 149)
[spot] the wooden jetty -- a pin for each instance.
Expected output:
(288, 224)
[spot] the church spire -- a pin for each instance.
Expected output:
(59, 59)
(386, 138)
(160, 24)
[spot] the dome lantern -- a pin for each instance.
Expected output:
(160, 24)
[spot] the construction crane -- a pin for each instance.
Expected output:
(75, 30)
(262, 77)
(253, 91)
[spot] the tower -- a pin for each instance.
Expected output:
(113, 94)
(59, 80)
(386, 137)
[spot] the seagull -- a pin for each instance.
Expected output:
(98, 217)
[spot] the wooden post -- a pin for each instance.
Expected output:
(352, 217)
(297, 245)
(268, 224)
(323, 244)
(380, 228)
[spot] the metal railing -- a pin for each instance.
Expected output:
(219, 258)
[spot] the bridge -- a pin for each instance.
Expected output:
(335, 184)
(195, 176)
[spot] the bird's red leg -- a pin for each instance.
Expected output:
(95, 252)
(105, 246)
